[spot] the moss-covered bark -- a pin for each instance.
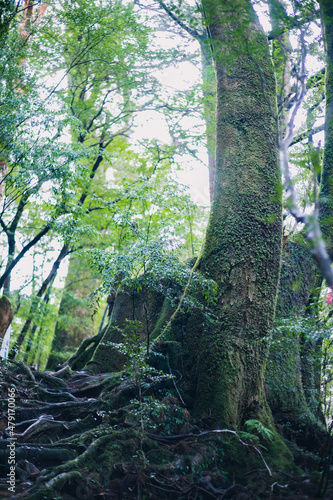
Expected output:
(291, 375)
(243, 243)
(145, 307)
(298, 279)
(326, 196)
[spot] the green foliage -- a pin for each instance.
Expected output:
(37, 344)
(141, 376)
(97, 57)
(156, 266)
(257, 427)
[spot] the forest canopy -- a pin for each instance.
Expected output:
(166, 215)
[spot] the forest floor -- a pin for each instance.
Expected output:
(74, 435)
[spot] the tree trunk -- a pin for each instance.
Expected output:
(49, 279)
(291, 376)
(10, 258)
(326, 193)
(74, 323)
(243, 242)
(209, 105)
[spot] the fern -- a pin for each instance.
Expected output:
(256, 426)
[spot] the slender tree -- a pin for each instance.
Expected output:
(200, 34)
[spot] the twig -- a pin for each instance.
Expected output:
(174, 383)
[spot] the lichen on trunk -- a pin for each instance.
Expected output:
(243, 241)
(326, 193)
(293, 367)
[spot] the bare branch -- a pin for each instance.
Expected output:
(194, 33)
(311, 222)
(304, 135)
(24, 250)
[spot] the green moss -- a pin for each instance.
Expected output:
(160, 457)
(163, 318)
(283, 372)
(298, 279)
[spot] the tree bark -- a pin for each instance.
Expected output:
(293, 366)
(69, 333)
(243, 242)
(326, 193)
(41, 292)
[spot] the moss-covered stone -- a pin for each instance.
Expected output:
(141, 306)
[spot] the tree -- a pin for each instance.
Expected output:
(74, 322)
(101, 78)
(247, 202)
(31, 156)
(220, 345)
(243, 241)
(212, 267)
(93, 84)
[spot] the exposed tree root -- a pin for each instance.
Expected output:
(100, 444)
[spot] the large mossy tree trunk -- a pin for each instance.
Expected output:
(326, 193)
(243, 241)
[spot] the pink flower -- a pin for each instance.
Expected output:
(329, 298)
